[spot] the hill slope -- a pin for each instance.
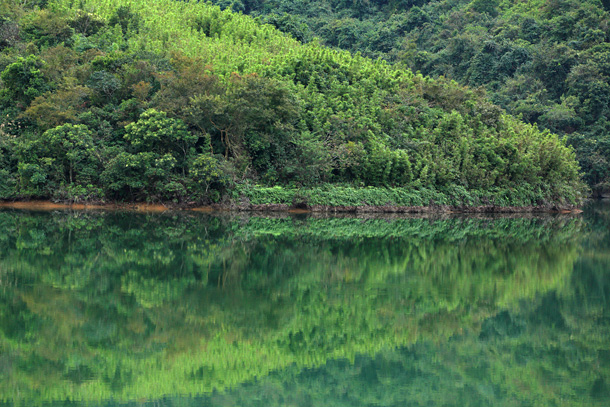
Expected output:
(164, 100)
(544, 60)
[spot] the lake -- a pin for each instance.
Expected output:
(105, 308)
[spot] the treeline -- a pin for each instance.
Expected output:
(180, 101)
(546, 61)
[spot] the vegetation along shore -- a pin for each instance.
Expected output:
(188, 104)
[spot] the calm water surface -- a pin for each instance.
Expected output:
(183, 309)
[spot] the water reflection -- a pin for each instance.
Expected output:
(298, 310)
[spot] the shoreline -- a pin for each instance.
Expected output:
(46, 205)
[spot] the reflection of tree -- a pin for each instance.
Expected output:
(128, 306)
(532, 355)
(551, 350)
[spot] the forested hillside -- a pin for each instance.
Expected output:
(180, 101)
(546, 60)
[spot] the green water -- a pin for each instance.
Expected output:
(184, 309)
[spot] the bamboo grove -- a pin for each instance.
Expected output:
(545, 60)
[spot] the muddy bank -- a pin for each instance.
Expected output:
(49, 206)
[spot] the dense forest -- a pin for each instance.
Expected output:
(184, 102)
(546, 61)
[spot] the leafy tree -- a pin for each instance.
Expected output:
(23, 81)
(126, 19)
(69, 153)
(156, 133)
(143, 176)
(9, 32)
(291, 25)
(209, 172)
(253, 115)
(62, 106)
(485, 6)
(87, 23)
(45, 28)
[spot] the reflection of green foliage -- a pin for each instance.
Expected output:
(128, 306)
(541, 354)
(158, 84)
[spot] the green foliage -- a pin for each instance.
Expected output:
(153, 305)
(73, 153)
(156, 163)
(53, 109)
(211, 175)
(124, 18)
(333, 195)
(485, 6)
(155, 132)
(44, 28)
(531, 56)
(86, 24)
(22, 81)
(382, 166)
(58, 162)
(164, 90)
(9, 32)
(251, 115)
(290, 24)
(144, 176)
(7, 180)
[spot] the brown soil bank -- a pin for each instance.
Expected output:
(144, 207)
(49, 206)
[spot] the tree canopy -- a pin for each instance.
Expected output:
(545, 61)
(153, 96)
